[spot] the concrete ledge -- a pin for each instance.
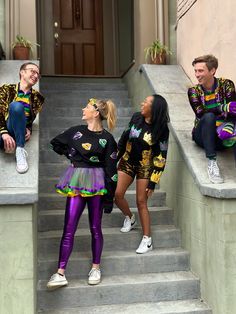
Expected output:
(18, 188)
(207, 224)
(172, 83)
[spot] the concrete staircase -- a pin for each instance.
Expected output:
(157, 282)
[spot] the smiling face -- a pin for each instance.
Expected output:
(146, 107)
(30, 75)
(90, 112)
(204, 76)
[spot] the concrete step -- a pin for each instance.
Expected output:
(51, 87)
(85, 95)
(49, 111)
(194, 306)
(81, 79)
(128, 289)
(47, 134)
(118, 263)
(54, 219)
(46, 152)
(77, 102)
(48, 201)
(50, 80)
(52, 170)
(47, 184)
(65, 122)
(49, 174)
(163, 236)
(53, 130)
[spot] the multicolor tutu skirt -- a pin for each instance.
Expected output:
(82, 181)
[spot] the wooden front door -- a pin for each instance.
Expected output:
(78, 37)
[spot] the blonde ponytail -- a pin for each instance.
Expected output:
(111, 115)
(107, 110)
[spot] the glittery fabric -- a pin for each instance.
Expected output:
(139, 171)
(223, 93)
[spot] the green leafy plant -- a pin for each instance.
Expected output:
(156, 51)
(22, 41)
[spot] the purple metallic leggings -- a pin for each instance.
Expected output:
(74, 209)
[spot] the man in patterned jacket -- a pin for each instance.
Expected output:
(19, 105)
(213, 101)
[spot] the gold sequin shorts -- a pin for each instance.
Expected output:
(141, 172)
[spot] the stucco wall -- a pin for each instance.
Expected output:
(18, 258)
(144, 27)
(208, 27)
(28, 10)
(18, 220)
(2, 22)
(207, 224)
(208, 232)
(20, 19)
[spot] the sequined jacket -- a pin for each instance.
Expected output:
(7, 95)
(224, 92)
(137, 147)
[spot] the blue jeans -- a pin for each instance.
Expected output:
(205, 135)
(16, 124)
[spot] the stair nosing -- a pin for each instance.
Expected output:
(108, 254)
(106, 231)
(116, 280)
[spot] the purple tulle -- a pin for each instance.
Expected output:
(84, 181)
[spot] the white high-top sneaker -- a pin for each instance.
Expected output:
(21, 162)
(214, 172)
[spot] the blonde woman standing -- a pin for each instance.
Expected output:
(90, 179)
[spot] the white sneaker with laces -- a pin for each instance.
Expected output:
(214, 172)
(129, 224)
(94, 276)
(21, 162)
(57, 281)
(145, 245)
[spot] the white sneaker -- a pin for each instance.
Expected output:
(21, 162)
(94, 276)
(214, 172)
(145, 245)
(57, 281)
(129, 224)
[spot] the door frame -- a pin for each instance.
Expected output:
(45, 37)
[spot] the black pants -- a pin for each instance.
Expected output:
(205, 135)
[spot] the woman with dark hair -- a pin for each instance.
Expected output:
(142, 150)
(89, 180)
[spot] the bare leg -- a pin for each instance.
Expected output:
(141, 200)
(124, 181)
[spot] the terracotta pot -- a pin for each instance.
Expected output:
(21, 53)
(160, 59)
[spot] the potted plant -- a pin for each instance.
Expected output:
(22, 48)
(157, 52)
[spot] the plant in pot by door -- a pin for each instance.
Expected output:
(22, 48)
(157, 52)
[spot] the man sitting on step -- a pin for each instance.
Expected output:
(19, 105)
(213, 101)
